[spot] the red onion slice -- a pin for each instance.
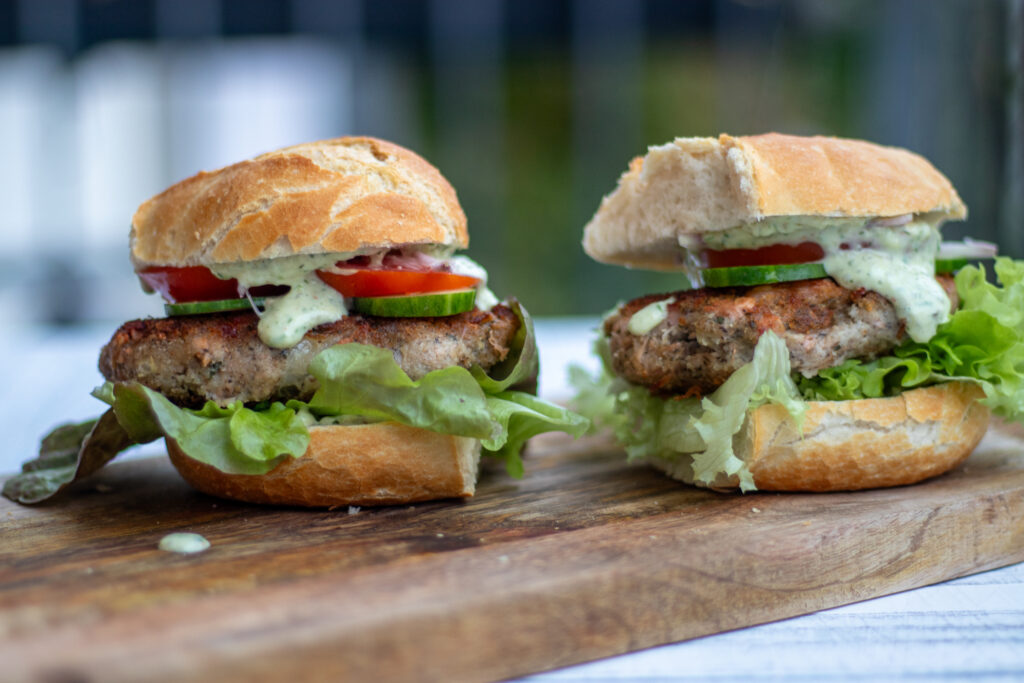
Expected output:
(893, 221)
(969, 249)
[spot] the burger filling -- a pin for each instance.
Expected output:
(791, 311)
(894, 257)
(221, 357)
(701, 337)
(881, 290)
(303, 291)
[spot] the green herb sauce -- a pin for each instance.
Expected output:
(649, 317)
(309, 301)
(183, 543)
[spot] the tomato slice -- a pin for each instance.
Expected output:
(773, 255)
(196, 283)
(372, 283)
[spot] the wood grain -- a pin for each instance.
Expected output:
(584, 558)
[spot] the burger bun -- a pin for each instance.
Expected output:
(375, 464)
(859, 444)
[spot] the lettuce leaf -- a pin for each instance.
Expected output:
(982, 342)
(765, 379)
(522, 416)
(520, 368)
(234, 439)
(366, 381)
(595, 399)
(692, 435)
(358, 384)
(356, 379)
(68, 453)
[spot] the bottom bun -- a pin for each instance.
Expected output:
(850, 445)
(375, 464)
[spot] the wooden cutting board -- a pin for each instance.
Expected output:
(585, 557)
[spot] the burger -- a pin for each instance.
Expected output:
(323, 345)
(823, 337)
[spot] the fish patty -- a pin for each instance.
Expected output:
(710, 333)
(220, 357)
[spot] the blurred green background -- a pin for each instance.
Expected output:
(532, 109)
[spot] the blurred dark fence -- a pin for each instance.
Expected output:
(532, 108)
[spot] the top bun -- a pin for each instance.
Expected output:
(353, 194)
(697, 185)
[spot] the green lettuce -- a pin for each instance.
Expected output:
(358, 384)
(366, 381)
(690, 434)
(68, 453)
(982, 342)
(765, 379)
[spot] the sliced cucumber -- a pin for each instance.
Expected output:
(746, 276)
(949, 265)
(218, 306)
(417, 305)
(413, 306)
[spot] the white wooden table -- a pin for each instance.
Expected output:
(967, 629)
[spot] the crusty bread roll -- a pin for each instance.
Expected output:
(345, 195)
(374, 464)
(698, 185)
(850, 445)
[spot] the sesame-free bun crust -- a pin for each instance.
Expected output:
(696, 185)
(375, 464)
(348, 195)
(850, 445)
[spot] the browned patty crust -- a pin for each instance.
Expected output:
(710, 333)
(220, 357)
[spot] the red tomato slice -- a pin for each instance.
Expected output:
(196, 283)
(365, 283)
(776, 254)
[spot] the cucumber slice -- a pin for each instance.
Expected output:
(746, 276)
(949, 265)
(218, 306)
(417, 305)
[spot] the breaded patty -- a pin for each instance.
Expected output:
(710, 333)
(220, 357)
